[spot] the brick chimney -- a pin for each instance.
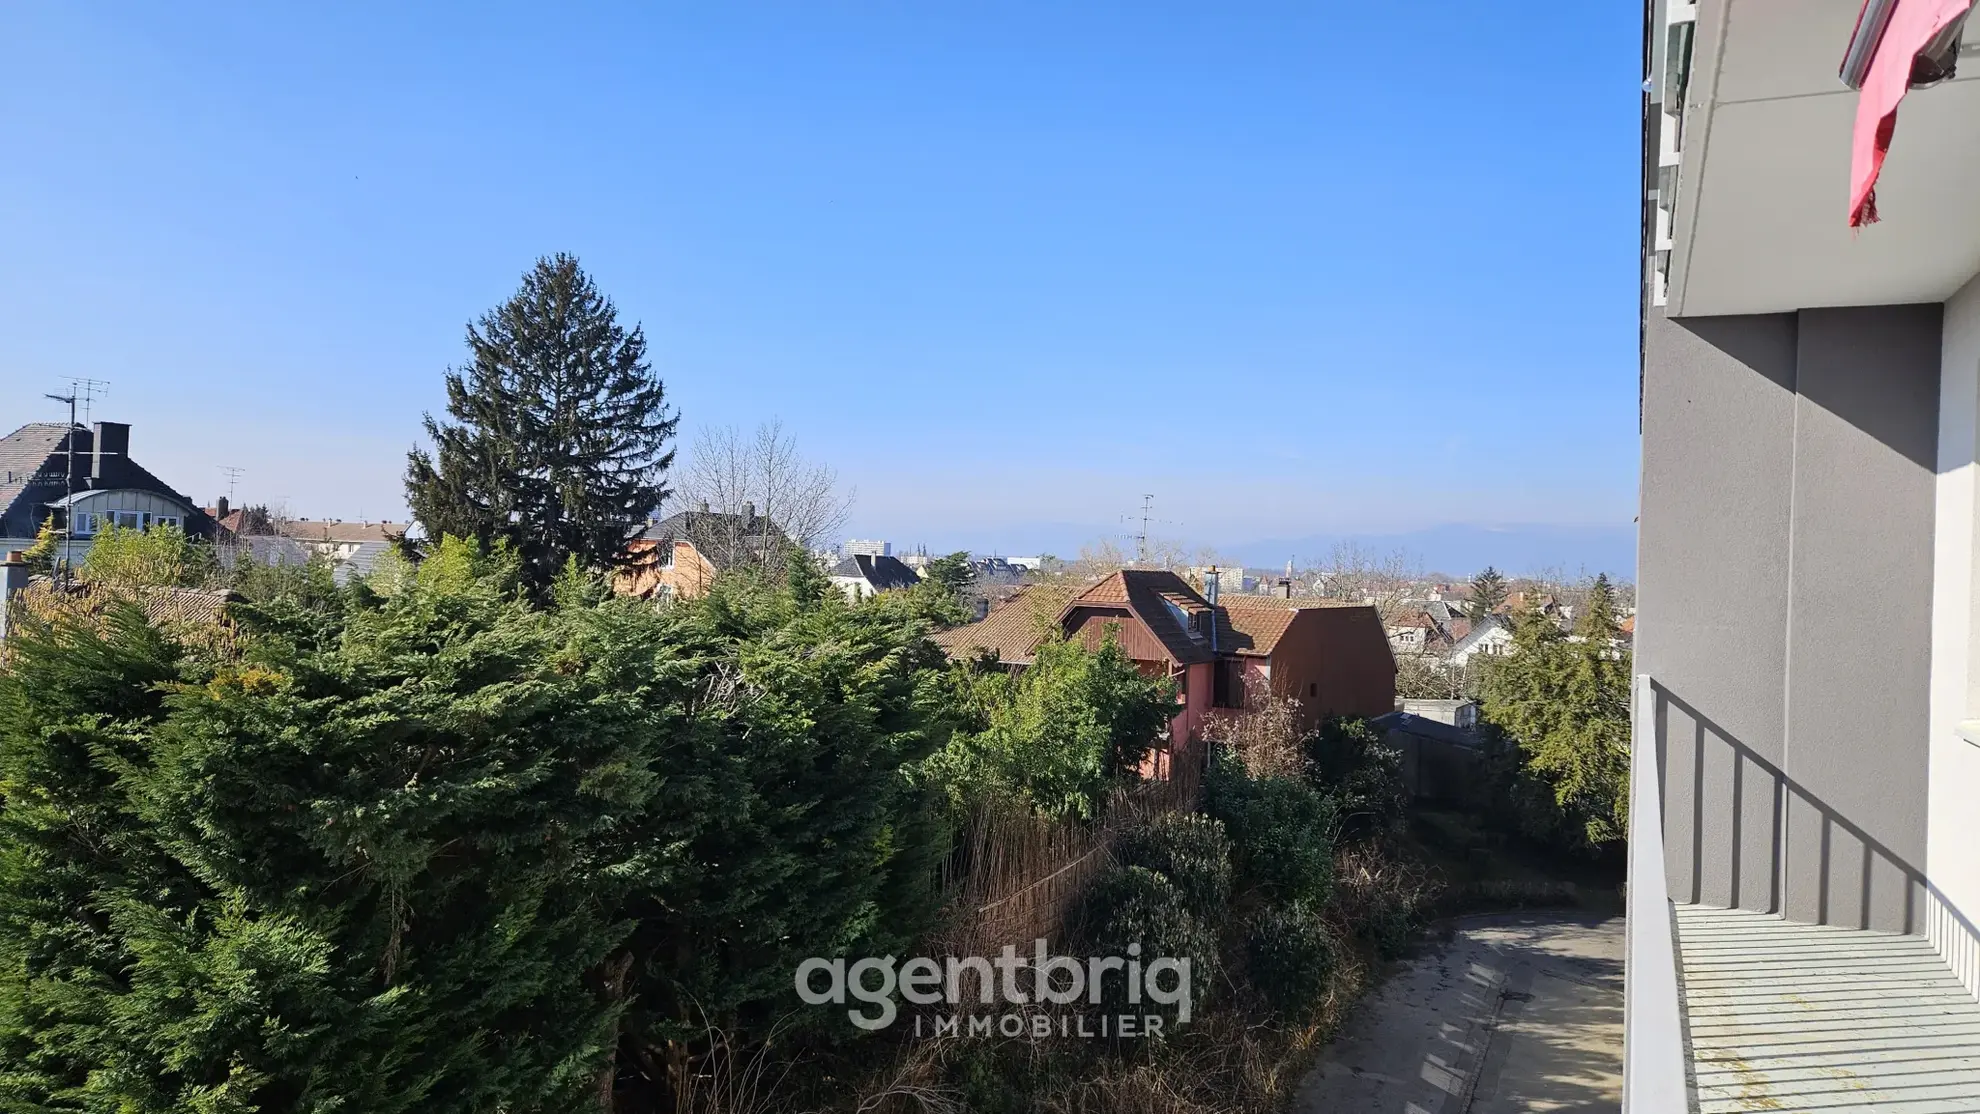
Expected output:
(13, 581)
(1285, 588)
(113, 439)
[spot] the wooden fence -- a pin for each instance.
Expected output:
(1018, 877)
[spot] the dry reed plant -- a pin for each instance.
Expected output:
(1267, 739)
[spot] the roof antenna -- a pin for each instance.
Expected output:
(1141, 542)
(68, 487)
(233, 473)
(86, 391)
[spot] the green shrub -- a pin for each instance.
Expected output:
(1281, 831)
(1291, 957)
(1134, 905)
(1348, 760)
(1191, 851)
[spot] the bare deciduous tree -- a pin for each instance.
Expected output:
(765, 476)
(1355, 573)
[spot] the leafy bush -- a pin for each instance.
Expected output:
(1281, 830)
(1191, 851)
(1351, 762)
(1063, 733)
(1134, 905)
(1291, 956)
(421, 845)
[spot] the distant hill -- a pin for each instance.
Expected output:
(1458, 549)
(1461, 549)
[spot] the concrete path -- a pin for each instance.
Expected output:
(1517, 1013)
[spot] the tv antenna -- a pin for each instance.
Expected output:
(1141, 539)
(86, 391)
(68, 484)
(233, 474)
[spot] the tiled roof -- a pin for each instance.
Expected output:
(881, 573)
(1258, 622)
(25, 452)
(336, 530)
(1480, 629)
(711, 533)
(1246, 624)
(1148, 594)
(1013, 628)
(32, 473)
(197, 613)
(362, 561)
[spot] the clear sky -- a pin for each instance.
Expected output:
(1293, 268)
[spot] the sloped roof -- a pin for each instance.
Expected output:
(1148, 594)
(1013, 628)
(1480, 629)
(882, 574)
(336, 530)
(1257, 623)
(362, 561)
(32, 468)
(200, 614)
(710, 532)
(23, 453)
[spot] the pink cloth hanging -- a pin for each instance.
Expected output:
(1912, 25)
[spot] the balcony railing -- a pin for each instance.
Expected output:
(1654, 1058)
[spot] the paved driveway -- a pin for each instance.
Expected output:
(1517, 1013)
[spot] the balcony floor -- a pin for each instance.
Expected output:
(1802, 1017)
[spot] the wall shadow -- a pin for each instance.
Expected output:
(1925, 907)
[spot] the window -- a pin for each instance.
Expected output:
(85, 523)
(171, 520)
(1228, 690)
(127, 520)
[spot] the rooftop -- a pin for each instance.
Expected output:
(1011, 628)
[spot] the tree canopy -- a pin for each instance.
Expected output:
(423, 844)
(1564, 703)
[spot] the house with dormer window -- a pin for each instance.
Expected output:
(83, 479)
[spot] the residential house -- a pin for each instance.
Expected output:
(1234, 654)
(863, 576)
(1491, 636)
(1804, 843)
(83, 478)
(682, 554)
(1333, 658)
(1445, 614)
(341, 540)
(1542, 602)
(1418, 633)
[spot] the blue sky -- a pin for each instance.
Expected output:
(1296, 269)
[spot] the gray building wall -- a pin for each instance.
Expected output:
(1784, 595)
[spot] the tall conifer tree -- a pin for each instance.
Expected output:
(558, 442)
(1488, 591)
